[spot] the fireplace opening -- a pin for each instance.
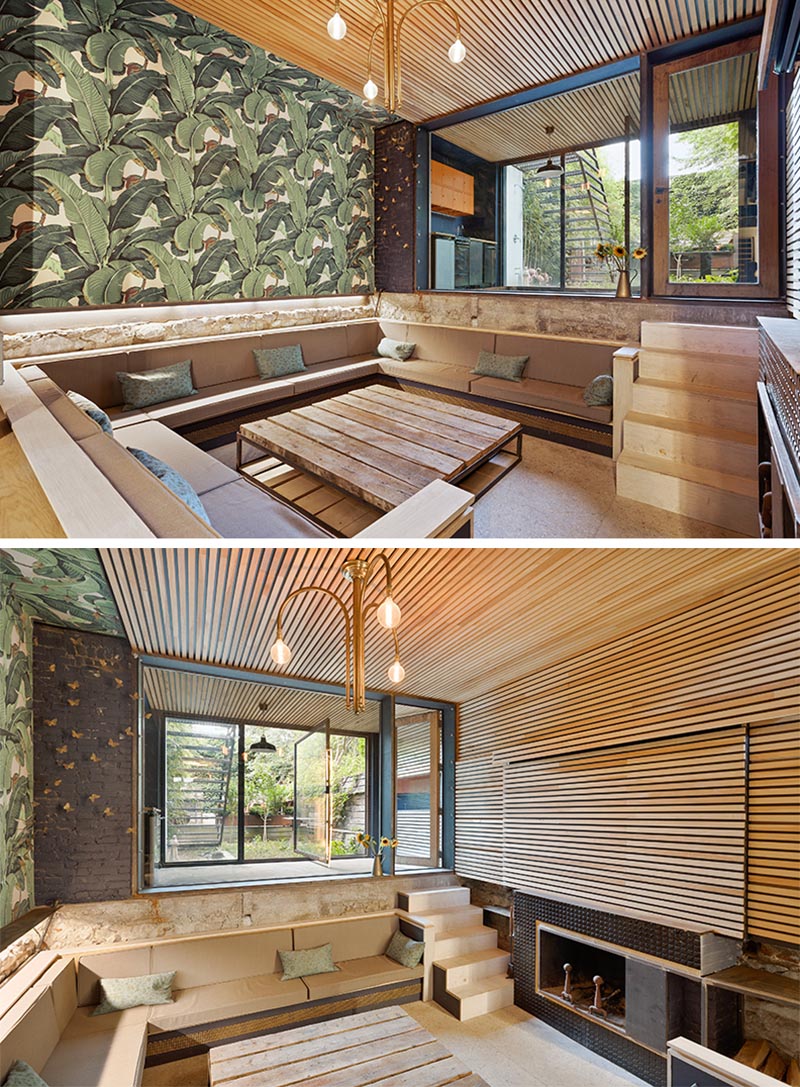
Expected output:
(587, 979)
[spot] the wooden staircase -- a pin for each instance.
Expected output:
(688, 440)
(470, 972)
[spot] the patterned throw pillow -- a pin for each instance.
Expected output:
(92, 410)
(404, 950)
(599, 393)
(279, 361)
(507, 367)
(21, 1074)
(172, 479)
(395, 349)
(116, 994)
(313, 960)
(173, 382)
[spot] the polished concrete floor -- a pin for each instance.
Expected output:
(203, 875)
(558, 492)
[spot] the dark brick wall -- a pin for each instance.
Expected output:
(395, 207)
(84, 727)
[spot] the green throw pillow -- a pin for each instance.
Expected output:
(599, 393)
(507, 367)
(313, 960)
(21, 1074)
(279, 361)
(172, 479)
(395, 349)
(404, 950)
(116, 994)
(92, 410)
(140, 390)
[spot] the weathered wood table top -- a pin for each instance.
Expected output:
(383, 1048)
(381, 444)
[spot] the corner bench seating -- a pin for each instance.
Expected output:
(227, 383)
(219, 976)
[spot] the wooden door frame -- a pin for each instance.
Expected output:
(768, 183)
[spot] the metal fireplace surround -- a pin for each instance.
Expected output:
(661, 966)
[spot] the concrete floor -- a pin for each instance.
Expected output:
(200, 875)
(558, 492)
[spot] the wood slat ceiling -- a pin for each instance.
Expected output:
(473, 618)
(589, 116)
(189, 694)
(714, 92)
(511, 44)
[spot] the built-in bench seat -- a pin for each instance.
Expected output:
(46, 1016)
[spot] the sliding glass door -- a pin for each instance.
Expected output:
(312, 794)
(418, 738)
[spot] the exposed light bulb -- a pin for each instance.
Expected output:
(337, 27)
(280, 652)
(457, 51)
(388, 614)
(397, 672)
(370, 90)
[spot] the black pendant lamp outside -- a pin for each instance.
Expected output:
(263, 745)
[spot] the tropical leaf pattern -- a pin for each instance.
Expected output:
(66, 587)
(147, 156)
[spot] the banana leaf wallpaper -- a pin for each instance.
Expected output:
(68, 588)
(147, 156)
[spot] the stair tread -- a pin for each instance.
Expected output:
(482, 985)
(687, 426)
(716, 391)
(447, 911)
(471, 957)
(464, 930)
(743, 486)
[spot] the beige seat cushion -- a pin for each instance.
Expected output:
(225, 1000)
(108, 1058)
(540, 394)
(335, 372)
(221, 399)
(84, 1022)
(361, 937)
(201, 470)
(439, 374)
(210, 959)
(355, 974)
(241, 510)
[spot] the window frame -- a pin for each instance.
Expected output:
(768, 183)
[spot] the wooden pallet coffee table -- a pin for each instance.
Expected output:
(344, 461)
(383, 1048)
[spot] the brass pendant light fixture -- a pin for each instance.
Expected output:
(359, 573)
(390, 29)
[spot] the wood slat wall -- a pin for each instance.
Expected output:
(793, 200)
(773, 854)
(725, 664)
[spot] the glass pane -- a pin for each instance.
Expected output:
(311, 826)
(201, 792)
(348, 794)
(417, 805)
(269, 795)
(535, 258)
(713, 172)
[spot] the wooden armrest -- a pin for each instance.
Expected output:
(438, 510)
(626, 370)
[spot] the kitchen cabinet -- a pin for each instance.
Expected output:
(463, 263)
(452, 191)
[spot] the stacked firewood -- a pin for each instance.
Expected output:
(760, 1055)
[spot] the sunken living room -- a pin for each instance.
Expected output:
(399, 269)
(399, 817)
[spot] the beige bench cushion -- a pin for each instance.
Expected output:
(108, 1058)
(439, 374)
(212, 959)
(225, 1000)
(201, 470)
(361, 937)
(455, 346)
(241, 510)
(84, 1021)
(539, 394)
(336, 372)
(21, 981)
(73, 419)
(355, 974)
(29, 1032)
(128, 962)
(568, 362)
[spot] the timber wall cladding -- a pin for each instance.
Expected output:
(715, 669)
(793, 199)
(147, 156)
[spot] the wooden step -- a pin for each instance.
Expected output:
(733, 410)
(724, 372)
(480, 997)
(462, 941)
(732, 452)
(437, 898)
(453, 917)
(462, 969)
(709, 495)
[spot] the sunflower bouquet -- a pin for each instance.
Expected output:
(617, 255)
(376, 846)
